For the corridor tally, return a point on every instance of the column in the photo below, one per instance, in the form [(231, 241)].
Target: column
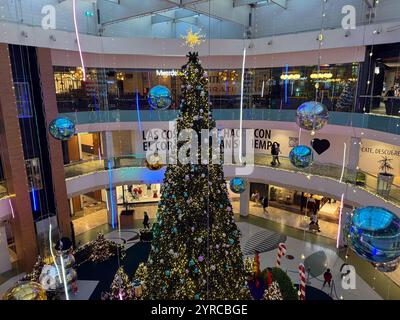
[(353, 158), (5, 264), (12, 155), (108, 148), (245, 203), (112, 207), (55, 146)]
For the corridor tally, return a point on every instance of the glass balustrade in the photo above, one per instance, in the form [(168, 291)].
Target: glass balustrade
[(363, 180)]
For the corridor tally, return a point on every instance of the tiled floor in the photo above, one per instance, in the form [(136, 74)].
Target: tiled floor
[(297, 221), (300, 250)]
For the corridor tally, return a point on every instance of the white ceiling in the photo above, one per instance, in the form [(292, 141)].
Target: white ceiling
[(225, 19)]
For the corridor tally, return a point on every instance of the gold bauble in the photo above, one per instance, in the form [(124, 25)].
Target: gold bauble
[(26, 291), (154, 163)]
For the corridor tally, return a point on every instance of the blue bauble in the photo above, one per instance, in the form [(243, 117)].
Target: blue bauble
[(238, 185), (159, 97), (191, 263), (167, 273), (312, 115), (62, 128), (301, 156), (375, 234)]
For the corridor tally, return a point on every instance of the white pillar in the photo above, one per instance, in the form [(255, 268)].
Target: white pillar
[(108, 146), (112, 207), (354, 153), (5, 264), (245, 203)]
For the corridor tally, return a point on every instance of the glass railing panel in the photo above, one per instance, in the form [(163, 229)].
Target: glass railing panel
[(358, 178)]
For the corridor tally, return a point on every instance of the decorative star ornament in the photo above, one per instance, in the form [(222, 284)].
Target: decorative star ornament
[(193, 39)]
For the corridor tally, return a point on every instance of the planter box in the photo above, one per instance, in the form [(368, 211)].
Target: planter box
[(126, 219), (384, 184), (146, 235)]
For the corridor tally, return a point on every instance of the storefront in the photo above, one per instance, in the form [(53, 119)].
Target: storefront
[(109, 89)]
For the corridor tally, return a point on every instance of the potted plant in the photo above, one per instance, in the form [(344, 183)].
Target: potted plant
[(385, 179)]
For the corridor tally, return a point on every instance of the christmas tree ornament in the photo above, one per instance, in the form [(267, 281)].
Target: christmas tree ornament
[(320, 146), (301, 156), (375, 234), (238, 185), (62, 128), (387, 266), (26, 290), (154, 162), (159, 97), (312, 115)]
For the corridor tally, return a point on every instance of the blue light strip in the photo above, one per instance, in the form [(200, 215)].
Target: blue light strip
[(138, 111), (35, 208), (286, 83), (111, 194)]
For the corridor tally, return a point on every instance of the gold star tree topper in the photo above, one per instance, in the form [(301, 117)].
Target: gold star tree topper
[(193, 39)]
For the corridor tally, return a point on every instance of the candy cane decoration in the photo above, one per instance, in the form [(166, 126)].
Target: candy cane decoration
[(302, 287), (281, 253)]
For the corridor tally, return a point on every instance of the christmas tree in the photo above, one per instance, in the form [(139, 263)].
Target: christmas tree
[(102, 249), (141, 274), (345, 101), (121, 287), (195, 253)]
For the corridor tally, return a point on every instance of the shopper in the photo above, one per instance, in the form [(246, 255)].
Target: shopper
[(327, 277), (273, 154), (314, 221), (278, 151), (264, 203), (146, 222)]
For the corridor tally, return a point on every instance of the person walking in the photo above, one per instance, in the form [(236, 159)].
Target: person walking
[(264, 203), (273, 154), (327, 277), (314, 221), (146, 222), (278, 151)]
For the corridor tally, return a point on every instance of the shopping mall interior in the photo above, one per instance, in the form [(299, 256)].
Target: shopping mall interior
[(200, 150)]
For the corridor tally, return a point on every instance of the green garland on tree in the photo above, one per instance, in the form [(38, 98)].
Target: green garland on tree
[(195, 253)]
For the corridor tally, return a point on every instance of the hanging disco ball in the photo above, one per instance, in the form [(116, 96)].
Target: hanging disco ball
[(312, 115), (238, 185), (62, 128), (387, 266), (154, 162), (159, 97), (375, 234), (301, 156)]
